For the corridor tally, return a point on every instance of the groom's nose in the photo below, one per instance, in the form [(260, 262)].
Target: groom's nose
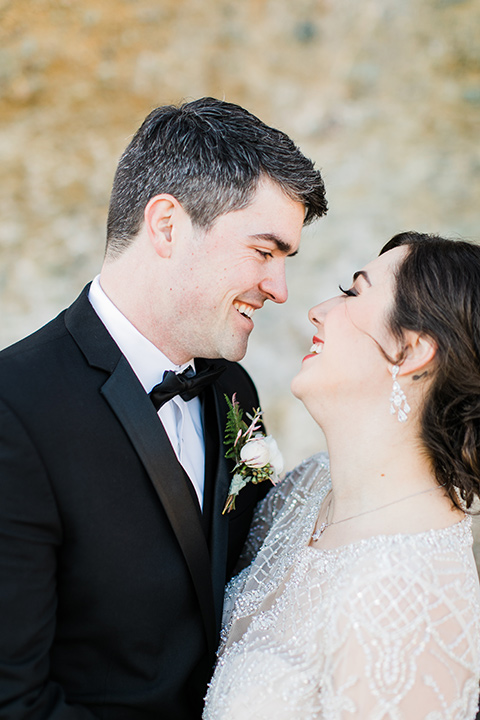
[(274, 284)]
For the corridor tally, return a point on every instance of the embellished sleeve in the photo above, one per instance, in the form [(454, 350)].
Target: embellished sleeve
[(404, 641), (268, 509)]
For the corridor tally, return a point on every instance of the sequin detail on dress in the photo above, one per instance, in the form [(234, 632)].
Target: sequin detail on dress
[(361, 631)]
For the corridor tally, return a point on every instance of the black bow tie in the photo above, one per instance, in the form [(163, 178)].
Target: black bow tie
[(186, 384)]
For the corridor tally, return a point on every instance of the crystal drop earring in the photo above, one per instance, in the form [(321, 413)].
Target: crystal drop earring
[(397, 398)]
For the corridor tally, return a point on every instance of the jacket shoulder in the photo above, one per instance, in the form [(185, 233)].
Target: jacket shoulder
[(44, 335), (48, 353), (235, 379)]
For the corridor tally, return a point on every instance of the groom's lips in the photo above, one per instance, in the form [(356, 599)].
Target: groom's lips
[(245, 309)]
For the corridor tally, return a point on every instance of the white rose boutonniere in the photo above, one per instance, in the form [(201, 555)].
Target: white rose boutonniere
[(257, 457), (260, 451)]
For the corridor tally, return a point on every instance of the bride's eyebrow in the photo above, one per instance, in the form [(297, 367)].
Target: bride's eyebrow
[(363, 274)]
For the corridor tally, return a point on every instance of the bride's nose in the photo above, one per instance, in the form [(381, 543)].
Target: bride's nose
[(316, 314)]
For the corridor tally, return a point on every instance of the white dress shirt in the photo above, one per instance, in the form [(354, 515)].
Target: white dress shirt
[(182, 420)]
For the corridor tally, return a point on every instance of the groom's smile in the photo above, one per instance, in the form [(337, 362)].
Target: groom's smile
[(226, 273), (244, 309)]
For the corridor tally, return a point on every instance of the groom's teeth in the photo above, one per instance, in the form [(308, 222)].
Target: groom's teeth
[(246, 310), (316, 348)]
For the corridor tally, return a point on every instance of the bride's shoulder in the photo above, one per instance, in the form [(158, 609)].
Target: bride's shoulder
[(299, 484), (314, 469), (314, 463)]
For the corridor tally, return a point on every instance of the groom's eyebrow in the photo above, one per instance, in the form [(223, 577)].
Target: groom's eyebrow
[(363, 274), (282, 246)]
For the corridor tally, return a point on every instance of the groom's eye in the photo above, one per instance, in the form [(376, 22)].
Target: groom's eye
[(264, 253)]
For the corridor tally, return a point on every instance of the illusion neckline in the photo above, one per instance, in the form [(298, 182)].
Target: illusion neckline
[(462, 528)]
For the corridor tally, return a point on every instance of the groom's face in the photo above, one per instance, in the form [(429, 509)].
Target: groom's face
[(226, 274)]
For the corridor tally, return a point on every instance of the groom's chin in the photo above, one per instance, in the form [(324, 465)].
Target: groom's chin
[(235, 347), (235, 352)]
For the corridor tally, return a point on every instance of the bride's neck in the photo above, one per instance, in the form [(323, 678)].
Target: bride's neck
[(375, 466)]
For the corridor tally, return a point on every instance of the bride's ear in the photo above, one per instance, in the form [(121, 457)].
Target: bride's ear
[(419, 351)]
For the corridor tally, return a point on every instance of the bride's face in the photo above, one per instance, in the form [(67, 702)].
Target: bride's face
[(346, 365)]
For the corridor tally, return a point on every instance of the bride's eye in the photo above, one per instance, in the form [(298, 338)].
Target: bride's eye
[(350, 293)]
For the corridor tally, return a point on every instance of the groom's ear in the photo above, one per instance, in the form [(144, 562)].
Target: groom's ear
[(419, 352), (161, 215)]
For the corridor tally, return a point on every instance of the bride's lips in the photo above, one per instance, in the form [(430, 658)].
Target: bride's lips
[(316, 349)]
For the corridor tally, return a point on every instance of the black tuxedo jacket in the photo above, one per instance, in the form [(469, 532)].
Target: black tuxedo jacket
[(111, 579)]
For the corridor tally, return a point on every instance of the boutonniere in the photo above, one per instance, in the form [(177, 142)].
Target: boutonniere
[(257, 457)]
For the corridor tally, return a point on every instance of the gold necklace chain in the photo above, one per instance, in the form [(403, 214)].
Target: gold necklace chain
[(325, 524)]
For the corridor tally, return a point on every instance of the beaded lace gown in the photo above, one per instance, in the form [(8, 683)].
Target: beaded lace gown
[(386, 627)]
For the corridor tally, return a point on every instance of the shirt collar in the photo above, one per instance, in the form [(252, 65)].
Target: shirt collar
[(146, 360)]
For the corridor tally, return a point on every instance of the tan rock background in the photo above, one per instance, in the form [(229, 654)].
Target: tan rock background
[(384, 95)]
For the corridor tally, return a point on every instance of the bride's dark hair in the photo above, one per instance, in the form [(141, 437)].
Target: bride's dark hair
[(437, 293)]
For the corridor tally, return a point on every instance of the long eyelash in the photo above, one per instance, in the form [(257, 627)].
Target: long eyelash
[(350, 293)]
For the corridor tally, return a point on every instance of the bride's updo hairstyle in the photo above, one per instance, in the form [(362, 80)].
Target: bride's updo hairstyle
[(437, 293)]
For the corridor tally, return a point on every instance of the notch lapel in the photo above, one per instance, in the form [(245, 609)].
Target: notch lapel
[(229, 531), (133, 408), (219, 523), (136, 413)]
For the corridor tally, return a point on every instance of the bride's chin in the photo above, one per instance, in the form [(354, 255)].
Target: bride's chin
[(296, 386)]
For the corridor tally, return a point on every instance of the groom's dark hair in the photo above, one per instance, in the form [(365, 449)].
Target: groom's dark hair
[(210, 155)]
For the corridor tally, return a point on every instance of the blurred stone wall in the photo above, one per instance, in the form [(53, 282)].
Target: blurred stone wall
[(384, 95)]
